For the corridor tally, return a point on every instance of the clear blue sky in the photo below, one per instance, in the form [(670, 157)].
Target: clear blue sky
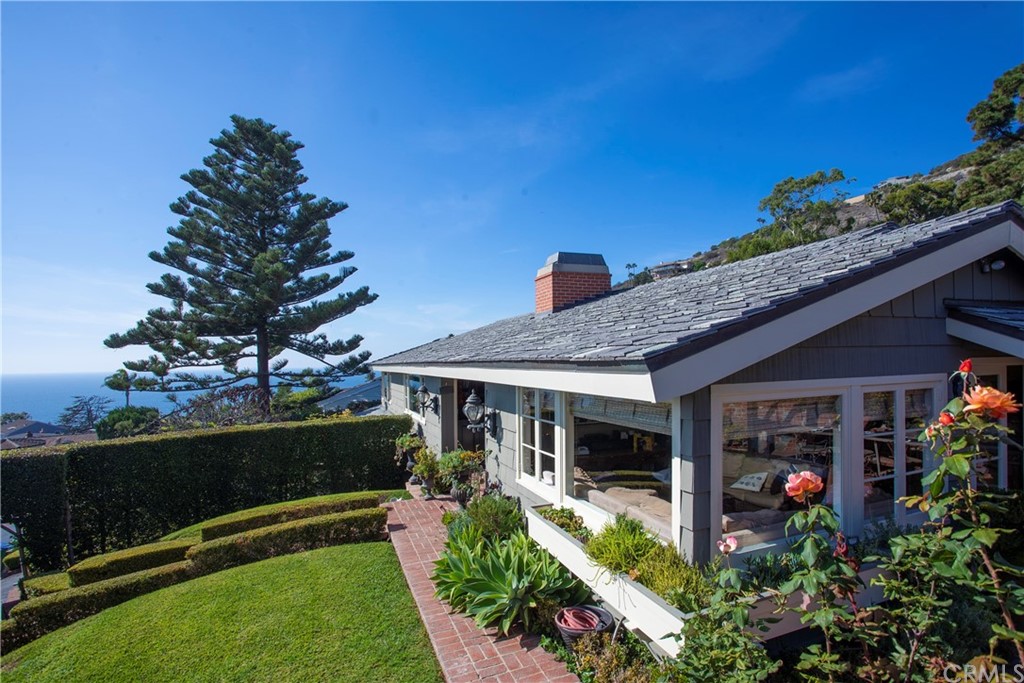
[(470, 140)]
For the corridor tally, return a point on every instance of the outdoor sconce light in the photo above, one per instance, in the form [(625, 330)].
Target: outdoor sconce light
[(479, 417), (425, 399), (989, 265)]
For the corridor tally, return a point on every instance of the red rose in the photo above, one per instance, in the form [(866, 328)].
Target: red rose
[(946, 418), (965, 365)]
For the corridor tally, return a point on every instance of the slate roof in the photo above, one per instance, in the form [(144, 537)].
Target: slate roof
[(368, 391), (646, 325), (999, 316)]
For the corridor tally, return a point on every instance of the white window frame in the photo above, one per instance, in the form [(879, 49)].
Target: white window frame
[(410, 396), (533, 484), (848, 472), (997, 367)]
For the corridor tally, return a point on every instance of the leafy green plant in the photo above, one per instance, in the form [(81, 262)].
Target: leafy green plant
[(514, 579), (496, 516), (569, 522), (455, 467), (668, 574), (769, 571), (621, 545), (597, 657), (426, 466)]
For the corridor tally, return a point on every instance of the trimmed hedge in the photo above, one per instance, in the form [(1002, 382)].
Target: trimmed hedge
[(44, 584), (290, 537), (12, 561), (127, 491), (121, 562), (278, 514), (34, 498), (13, 636), (39, 616)]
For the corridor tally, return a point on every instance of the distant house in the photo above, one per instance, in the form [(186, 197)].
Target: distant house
[(360, 396), (31, 433), (29, 427), (686, 402)]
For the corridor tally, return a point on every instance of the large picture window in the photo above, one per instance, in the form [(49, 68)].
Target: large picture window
[(537, 423), (765, 441), (894, 459)]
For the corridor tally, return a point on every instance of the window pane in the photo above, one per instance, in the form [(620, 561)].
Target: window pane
[(547, 468), (763, 443), (547, 406), (547, 437), (879, 446), (527, 431), (529, 402), (918, 410), (529, 463)]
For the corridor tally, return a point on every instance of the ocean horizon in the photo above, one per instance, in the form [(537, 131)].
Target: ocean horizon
[(45, 396)]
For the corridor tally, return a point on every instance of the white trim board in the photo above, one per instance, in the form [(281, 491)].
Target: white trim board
[(983, 337)]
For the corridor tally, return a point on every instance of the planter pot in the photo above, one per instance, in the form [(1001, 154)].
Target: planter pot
[(428, 488), (461, 495), (603, 621)]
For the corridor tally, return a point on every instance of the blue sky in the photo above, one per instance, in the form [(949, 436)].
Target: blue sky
[(470, 140)]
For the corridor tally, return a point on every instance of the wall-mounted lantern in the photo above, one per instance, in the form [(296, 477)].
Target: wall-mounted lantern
[(426, 400), (478, 415)]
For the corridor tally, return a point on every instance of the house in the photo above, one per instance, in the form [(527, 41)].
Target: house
[(686, 402), (29, 428), (357, 397)]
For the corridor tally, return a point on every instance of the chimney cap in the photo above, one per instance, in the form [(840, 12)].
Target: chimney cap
[(575, 258)]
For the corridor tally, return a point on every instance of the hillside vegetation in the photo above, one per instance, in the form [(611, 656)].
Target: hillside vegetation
[(815, 207)]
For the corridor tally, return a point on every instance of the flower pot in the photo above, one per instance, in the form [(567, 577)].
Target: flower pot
[(461, 495), (428, 488), (574, 622)]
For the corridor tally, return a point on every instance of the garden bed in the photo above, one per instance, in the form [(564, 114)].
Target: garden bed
[(643, 610)]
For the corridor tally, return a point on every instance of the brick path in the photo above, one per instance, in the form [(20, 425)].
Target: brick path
[(466, 653)]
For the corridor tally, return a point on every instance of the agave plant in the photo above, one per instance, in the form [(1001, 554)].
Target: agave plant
[(513, 579)]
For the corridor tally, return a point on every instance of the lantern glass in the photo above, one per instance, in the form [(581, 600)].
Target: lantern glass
[(473, 409)]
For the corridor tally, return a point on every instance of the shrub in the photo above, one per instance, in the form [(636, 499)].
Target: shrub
[(39, 616), (13, 636), (504, 583), (569, 522), (12, 561), (276, 514), (668, 574), (495, 515), (597, 657), (622, 545), (290, 537), (33, 498), (128, 561), (456, 466), (44, 584), (128, 491), (128, 421), (769, 571)]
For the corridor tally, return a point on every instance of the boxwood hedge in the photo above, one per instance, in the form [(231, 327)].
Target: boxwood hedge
[(277, 514), (300, 535), (38, 616), (115, 494), (121, 562)]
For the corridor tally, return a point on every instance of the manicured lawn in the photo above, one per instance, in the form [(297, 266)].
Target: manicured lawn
[(335, 614), (193, 531)]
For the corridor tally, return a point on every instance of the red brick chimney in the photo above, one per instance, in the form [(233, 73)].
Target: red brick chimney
[(567, 278)]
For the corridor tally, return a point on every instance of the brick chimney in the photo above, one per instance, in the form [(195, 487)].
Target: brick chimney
[(567, 278)]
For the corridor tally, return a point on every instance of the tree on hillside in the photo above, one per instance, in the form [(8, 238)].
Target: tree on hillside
[(916, 201), (999, 118), (83, 413), (246, 246), (11, 417)]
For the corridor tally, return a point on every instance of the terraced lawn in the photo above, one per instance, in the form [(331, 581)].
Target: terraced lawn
[(335, 614)]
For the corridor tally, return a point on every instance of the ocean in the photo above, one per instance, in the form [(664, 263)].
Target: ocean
[(45, 397)]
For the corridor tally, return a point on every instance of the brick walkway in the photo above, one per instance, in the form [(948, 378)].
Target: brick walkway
[(466, 653)]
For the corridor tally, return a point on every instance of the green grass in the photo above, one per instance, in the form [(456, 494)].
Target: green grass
[(193, 531), (335, 614)]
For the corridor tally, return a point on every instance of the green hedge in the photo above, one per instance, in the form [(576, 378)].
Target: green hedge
[(44, 584), (13, 636), (127, 491), (121, 562), (34, 497), (290, 537), (39, 616), (12, 561), (278, 514)]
